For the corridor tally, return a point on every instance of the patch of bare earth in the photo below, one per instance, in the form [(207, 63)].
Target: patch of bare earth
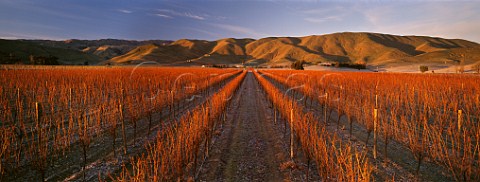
[(250, 147)]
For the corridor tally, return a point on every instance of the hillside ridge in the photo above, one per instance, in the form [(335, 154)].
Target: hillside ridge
[(372, 49)]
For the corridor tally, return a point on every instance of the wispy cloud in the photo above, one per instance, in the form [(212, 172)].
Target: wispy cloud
[(163, 15), (168, 13), (124, 11), (189, 15)]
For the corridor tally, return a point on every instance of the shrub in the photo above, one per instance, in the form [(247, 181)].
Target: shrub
[(297, 65), (423, 68), (43, 60), (348, 65)]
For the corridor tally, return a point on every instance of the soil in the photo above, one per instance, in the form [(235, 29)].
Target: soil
[(251, 147)]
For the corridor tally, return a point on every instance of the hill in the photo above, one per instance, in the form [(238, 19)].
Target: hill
[(372, 49), (20, 51), (103, 48), (177, 51)]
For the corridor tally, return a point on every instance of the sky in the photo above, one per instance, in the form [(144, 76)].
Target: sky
[(217, 19)]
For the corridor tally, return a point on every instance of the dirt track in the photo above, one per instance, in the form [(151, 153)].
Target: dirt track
[(250, 147)]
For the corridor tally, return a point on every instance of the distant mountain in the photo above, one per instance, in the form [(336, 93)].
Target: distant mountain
[(71, 51), (366, 48), (372, 49), (103, 48), (20, 51), (225, 51)]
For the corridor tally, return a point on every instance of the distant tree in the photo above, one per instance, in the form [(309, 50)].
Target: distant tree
[(85, 63), (43, 60), (348, 65), (52, 60), (423, 69), (10, 59), (297, 65)]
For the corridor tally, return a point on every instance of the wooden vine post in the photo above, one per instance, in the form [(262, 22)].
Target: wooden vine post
[(274, 110), (172, 92), (459, 113), (291, 133), (207, 134), (375, 123), (40, 163), (37, 121), (124, 138), (325, 109), (150, 107)]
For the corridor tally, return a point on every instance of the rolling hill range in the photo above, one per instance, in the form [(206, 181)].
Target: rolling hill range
[(103, 48), (372, 49), (20, 51), (362, 48)]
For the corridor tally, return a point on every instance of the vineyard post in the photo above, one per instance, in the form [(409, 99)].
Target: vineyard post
[(123, 130), (375, 123), (274, 115), (70, 98), (150, 112), (18, 105), (325, 109), (85, 142), (70, 112), (150, 107), (19, 126), (274, 110), (207, 132), (113, 130), (224, 111), (172, 106), (41, 163), (18, 95), (37, 121), (459, 113), (291, 133), (208, 84)]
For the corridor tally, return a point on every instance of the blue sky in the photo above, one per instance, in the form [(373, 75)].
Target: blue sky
[(216, 19)]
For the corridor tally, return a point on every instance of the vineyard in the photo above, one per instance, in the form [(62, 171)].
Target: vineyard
[(205, 124)]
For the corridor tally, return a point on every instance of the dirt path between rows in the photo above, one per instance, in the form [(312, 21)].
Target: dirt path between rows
[(250, 147)]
